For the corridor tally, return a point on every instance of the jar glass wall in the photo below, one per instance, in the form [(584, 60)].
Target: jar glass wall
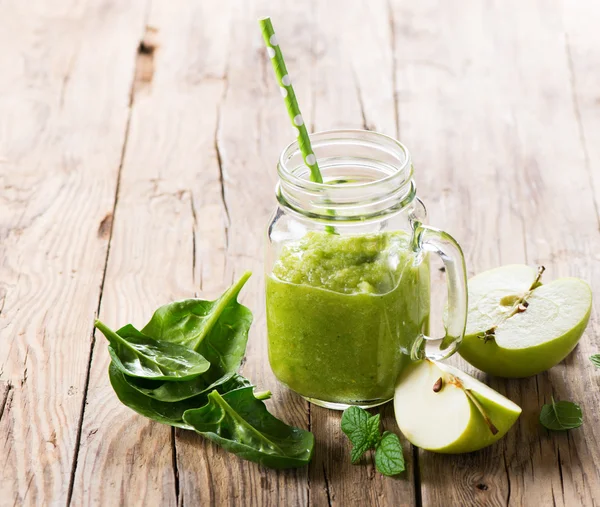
[(347, 277)]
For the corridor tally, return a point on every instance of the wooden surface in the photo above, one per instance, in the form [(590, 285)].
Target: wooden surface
[(138, 143)]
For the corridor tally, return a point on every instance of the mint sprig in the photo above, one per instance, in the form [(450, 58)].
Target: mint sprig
[(595, 359), (362, 429)]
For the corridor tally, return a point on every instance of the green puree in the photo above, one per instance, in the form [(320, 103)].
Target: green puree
[(343, 313)]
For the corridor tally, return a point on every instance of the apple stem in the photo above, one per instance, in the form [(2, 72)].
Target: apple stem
[(521, 304), (538, 278), (488, 335), (487, 420), (437, 387)]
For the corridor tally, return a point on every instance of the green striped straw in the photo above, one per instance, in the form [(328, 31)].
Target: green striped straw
[(289, 97)]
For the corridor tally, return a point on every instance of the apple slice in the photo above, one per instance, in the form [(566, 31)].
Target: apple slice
[(518, 327), (453, 415)]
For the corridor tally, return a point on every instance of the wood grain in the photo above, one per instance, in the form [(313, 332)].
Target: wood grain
[(245, 147), (456, 132), (138, 143), (353, 47), (491, 120), (566, 233), (151, 262), (582, 53), (64, 89)]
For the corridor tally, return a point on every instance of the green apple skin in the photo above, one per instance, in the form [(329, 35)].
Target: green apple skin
[(499, 361), (476, 434), (507, 363)]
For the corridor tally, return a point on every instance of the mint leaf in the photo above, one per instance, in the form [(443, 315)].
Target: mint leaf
[(561, 415), (389, 458), (354, 424), (358, 450), (596, 360), (362, 429), (373, 429)]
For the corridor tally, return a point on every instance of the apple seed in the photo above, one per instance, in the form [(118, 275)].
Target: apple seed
[(521, 304), (437, 387)]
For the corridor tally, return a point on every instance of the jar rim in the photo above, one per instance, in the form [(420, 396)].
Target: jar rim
[(293, 149)]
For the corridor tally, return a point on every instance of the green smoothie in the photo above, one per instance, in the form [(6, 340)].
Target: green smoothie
[(343, 313)]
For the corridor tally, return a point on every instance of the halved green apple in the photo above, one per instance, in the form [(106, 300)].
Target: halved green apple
[(518, 327), (442, 409)]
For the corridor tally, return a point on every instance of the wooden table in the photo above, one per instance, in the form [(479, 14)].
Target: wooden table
[(138, 143)]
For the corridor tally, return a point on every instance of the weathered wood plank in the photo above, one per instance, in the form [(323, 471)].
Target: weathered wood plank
[(551, 200), (64, 89), (563, 233), (180, 149), (169, 188), (496, 105), (460, 159), (352, 87), (313, 54), (250, 128), (583, 52)]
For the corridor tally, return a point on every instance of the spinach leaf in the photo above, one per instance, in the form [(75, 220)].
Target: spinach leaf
[(389, 459), (178, 391), (216, 329), (162, 411), (595, 359), (139, 355), (180, 370), (561, 415), (166, 413), (241, 424)]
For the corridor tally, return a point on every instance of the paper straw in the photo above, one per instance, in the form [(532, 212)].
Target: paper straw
[(289, 97)]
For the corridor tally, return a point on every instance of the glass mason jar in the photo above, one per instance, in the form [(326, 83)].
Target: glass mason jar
[(347, 272)]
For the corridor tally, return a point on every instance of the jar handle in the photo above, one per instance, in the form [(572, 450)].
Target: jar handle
[(433, 240)]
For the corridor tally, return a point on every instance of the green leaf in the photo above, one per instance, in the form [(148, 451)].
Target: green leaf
[(362, 429), (139, 355), (596, 360), (389, 458), (223, 342), (160, 411), (216, 329), (166, 413), (373, 432), (561, 415), (151, 373), (358, 450), (354, 424), (178, 391), (241, 424)]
